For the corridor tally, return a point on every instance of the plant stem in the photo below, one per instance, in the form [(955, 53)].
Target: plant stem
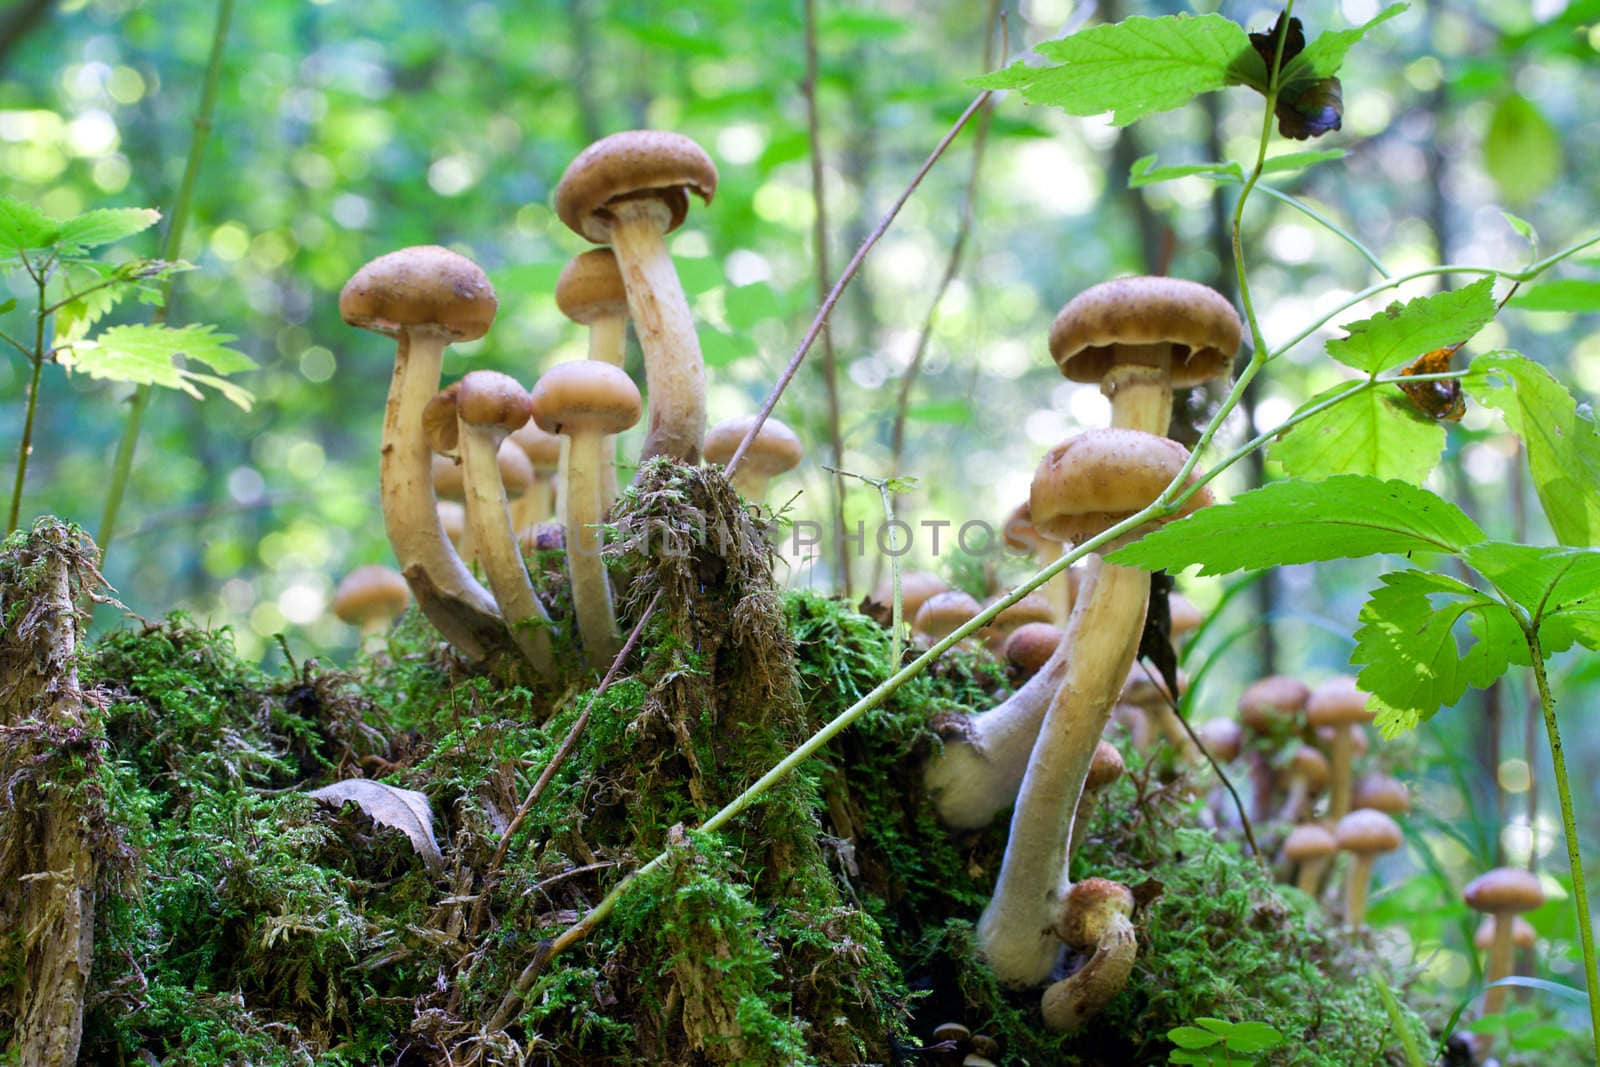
[(177, 222), (1326, 223), (25, 449), (1569, 823)]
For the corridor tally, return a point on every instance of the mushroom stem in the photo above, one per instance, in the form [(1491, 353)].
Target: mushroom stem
[(591, 588), (1099, 918), (1057, 590), (448, 594), (674, 371), (489, 519), (608, 340), (1494, 999), (1355, 911), (750, 484), (1310, 876), (1343, 755), (1139, 386), (1014, 930)]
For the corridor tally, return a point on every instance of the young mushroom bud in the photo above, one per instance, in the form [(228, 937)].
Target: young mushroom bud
[(1365, 834), (1097, 919), (1140, 338), (490, 406), (425, 298), (776, 450), (629, 190), (1106, 768), (371, 597), (943, 613), (1502, 894), (1030, 647), (590, 292), (1339, 704), (585, 400), (544, 456)]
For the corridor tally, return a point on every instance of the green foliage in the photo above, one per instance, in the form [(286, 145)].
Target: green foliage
[(1521, 150), (1573, 295), (1213, 1042), (1377, 432), (1402, 332)]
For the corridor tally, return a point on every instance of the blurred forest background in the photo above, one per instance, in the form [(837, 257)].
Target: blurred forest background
[(344, 130)]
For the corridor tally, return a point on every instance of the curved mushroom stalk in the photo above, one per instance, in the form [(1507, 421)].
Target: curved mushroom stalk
[(1098, 920)]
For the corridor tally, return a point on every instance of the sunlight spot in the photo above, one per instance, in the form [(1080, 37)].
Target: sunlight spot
[(1514, 775)]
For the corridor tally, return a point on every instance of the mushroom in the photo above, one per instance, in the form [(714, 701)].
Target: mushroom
[(1501, 894), (915, 587), (1311, 847), (1106, 768), (1223, 738), (371, 597), (1339, 704), (775, 450), (1081, 487), (1030, 647), (1020, 534), (453, 521), (590, 292), (489, 406), (942, 612), (1269, 710), (1381, 792), (544, 456), (1365, 834), (1307, 775), (1140, 338), (1032, 609), (1147, 691), (629, 190), (450, 484), (1186, 618), (1097, 919), (585, 400), (425, 297)]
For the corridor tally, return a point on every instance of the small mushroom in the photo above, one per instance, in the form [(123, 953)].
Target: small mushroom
[(629, 190), (585, 400), (1311, 847), (776, 450), (544, 456), (371, 597), (1030, 647), (425, 298), (1501, 894), (915, 587), (1031, 609), (1365, 834), (1307, 775), (1097, 919), (1107, 767), (1020, 534), (1340, 704), (590, 292), (1381, 792), (1270, 711), (1223, 739), (942, 613)]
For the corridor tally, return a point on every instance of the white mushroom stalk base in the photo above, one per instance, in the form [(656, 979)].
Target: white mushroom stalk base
[(673, 368), (591, 588), (1014, 932), (448, 594), (489, 519)]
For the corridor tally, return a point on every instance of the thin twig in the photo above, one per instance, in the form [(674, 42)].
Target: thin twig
[(568, 743), (980, 137), (819, 244), (850, 270)]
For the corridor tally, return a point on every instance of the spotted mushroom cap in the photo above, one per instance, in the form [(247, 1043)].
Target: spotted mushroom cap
[(422, 288), (629, 165), (1197, 321), (1100, 477)]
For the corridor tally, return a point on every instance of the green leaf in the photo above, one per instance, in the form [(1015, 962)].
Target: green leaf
[(720, 349), (1144, 172), (1411, 663), (1373, 432), (105, 226), (1561, 442), (1521, 150), (147, 355), (1253, 1037), (75, 318), (1566, 294), (23, 226), (1192, 1037), (952, 412), (1558, 587), (1299, 521), (1324, 56), (747, 305), (1402, 332), (1130, 68), (1300, 160), (1523, 227)]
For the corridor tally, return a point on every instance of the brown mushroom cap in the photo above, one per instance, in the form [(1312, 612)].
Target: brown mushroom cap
[(1523, 935), (1309, 841), (370, 592), (1337, 702), (1186, 618), (1086, 905), (425, 287), (943, 612), (542, 449), (585, 396), (439, 423), (632, 164), (489, 398), (1223, 738), (516, 470), (1106, 767), (1197, 321), (1098, 478), (776, 448), (1019, 531), (1365, 831), (1312, 765), (1381, 792), (1324, 736), (1272, 703), (590, 287), (1031, 645), (1504, 891), (449, 482), (452, 516), (1032, 608), (915, 588)]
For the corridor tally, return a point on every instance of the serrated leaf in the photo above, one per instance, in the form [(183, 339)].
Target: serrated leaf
[(1371, 433), (1299, 521), (23, 226), (146, 355), (1561, 442), (106, 226), (1404, 331), (1410, 661), (1324, 56), (405, 810), (1131, 68), (1300, 160), (1559, 587), (1521, 149), (1144, 172), (1566, 294)]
